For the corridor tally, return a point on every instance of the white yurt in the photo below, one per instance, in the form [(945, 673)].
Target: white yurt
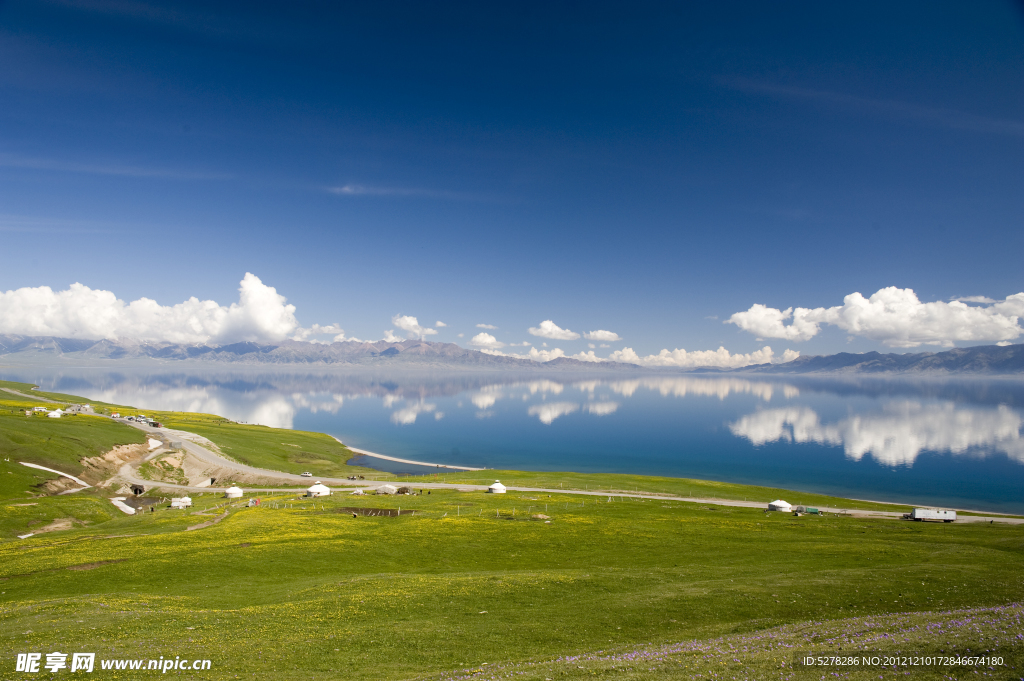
[(496, 488), (318, 490), (387, 489), (55, 414), (233, 492), (779, 505)]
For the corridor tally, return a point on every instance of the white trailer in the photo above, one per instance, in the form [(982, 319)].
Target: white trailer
[(932, 514)]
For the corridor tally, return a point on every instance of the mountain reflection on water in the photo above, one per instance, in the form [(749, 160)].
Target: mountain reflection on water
[(928, 441)]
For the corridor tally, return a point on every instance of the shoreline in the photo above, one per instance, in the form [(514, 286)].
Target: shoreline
[(425, 464)]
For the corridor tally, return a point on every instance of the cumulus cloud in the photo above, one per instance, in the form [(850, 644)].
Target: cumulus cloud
[(975, 299), (701, 358), (390, 337), (260, 315), (440, 324), (490, 327), (412, 327), (486, 340), (549, 411), (548, 329), (544, 355), (893, 317), (601, 335), (334, 330)]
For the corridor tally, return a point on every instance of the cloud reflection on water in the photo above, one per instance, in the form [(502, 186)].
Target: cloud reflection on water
[(898, 434)]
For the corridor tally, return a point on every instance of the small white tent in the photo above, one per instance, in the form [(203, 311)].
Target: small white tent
[(496, 488), (233, 492), (387, 489), (55, 414), (318, 490), (779, 505), (181, 502)]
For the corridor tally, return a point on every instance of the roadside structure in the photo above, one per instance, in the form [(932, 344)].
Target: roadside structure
[(496, 488), (780, 505), (233, 492), (318, 490)]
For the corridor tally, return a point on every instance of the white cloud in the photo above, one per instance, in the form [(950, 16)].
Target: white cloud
[(486, 340), (440, 324), (767, 322), (790, 355), (591, 346), (260, 315), (490, 327), (548, 329), (390, 337), (461, 335), (893, 317), (541, 355), (600, 335), (601, 408), (549, 411), (700, 358), (318, 330), (897, 435), (975, 299), (412, 327)]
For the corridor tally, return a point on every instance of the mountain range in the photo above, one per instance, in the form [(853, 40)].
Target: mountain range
[(985, 360)]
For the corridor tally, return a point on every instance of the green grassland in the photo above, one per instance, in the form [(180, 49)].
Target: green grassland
[(648, 484), (299, 589), (471, 585)]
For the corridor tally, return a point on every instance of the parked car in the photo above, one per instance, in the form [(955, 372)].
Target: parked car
[(307, 474)]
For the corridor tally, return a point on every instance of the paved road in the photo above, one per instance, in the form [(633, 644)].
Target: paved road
[(32, 397)]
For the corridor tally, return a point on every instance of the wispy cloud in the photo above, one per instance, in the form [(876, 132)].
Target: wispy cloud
[(62, 166), (400, 192), (934, 116)]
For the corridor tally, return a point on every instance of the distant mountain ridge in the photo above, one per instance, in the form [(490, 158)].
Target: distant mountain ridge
[(980, 360), (356, 353)]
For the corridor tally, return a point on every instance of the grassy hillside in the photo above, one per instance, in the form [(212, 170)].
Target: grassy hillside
[(291, 451), (297, 589)]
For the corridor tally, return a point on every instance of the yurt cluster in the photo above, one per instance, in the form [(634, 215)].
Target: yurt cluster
[(318, 489)]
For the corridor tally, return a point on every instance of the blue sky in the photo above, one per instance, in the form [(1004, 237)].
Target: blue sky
[(649, 169)]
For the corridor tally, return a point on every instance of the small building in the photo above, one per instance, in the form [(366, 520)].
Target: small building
[(55, 414), (780, 505), (181, 502), (387, 489), (40, 409), (496, 488), (233, 492), (318, 490)]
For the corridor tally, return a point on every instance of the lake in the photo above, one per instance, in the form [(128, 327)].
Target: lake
[(936, 442)]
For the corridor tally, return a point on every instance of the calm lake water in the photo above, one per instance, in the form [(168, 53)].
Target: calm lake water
[(953, 442)]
